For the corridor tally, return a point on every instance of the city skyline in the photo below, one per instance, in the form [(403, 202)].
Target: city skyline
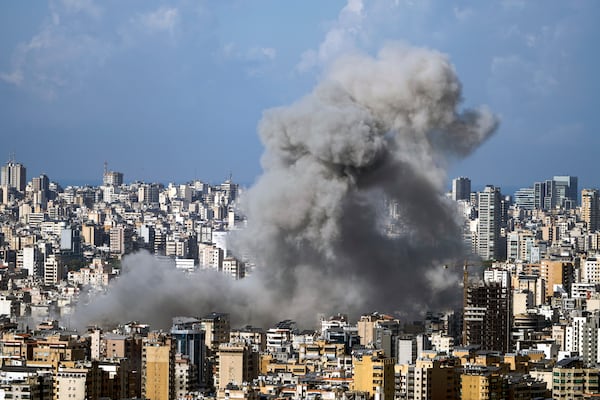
[(195, 79)]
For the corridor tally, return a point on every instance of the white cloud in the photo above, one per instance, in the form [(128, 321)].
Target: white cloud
[(57, 56), (340, 38), (164, 19), (15, 77)]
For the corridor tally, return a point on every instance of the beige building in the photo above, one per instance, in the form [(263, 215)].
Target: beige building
[(238, 364), (374, 374), (57, 348), (479, 383), (429, 378), (556, 272), (590, 209), (158, 367), (367, 324), (69, 383), (217, 328)]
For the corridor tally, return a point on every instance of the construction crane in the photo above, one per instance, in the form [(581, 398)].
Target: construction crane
[(465, 265)]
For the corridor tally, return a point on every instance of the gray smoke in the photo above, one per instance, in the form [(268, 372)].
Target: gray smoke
[(375, 133)]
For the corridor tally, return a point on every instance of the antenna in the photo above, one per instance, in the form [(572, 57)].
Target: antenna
[(105, 167)]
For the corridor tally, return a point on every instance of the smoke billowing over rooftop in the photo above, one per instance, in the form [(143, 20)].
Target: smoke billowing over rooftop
[(375, 133)]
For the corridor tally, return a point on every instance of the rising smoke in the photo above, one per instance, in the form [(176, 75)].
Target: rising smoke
[(375, 133)]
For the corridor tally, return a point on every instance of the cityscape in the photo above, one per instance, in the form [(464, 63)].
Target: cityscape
[(315, 200), (527, 327)]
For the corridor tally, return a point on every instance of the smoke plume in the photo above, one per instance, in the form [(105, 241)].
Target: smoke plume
[(375, 134)]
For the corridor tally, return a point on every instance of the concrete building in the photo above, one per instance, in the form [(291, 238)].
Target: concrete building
[(112, 178), (590, 209), (582, 336), (428, 378), (234, 268), (13, 175), (566, 191), (121, 240), (488, 316), (53, 269), (525, 198), (461, 188), (158, 367), (69, 383), (489, 246), (571, 380), (374, 374), (556, 273), (190, 342), (481, 382), (238, 364)]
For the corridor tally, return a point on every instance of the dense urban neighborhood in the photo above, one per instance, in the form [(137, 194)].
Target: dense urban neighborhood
[(528, 328)]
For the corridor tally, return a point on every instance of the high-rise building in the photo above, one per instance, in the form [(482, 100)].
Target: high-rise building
[(461, 188), (70, 241), (590, 208), (557, 273), (40, 183), (488, 316), (158, 367), (539, 194), (14, 175), (121, 240), (53, 270), (566, 190), (216, 327), (488, 228), (149, 193), (189, 341), (112, 178), (525, 198), (550, 195), (581, 337)]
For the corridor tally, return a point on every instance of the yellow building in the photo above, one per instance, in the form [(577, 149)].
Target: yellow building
[(374, 374), (158, 367), (482, 383), (56, 348)]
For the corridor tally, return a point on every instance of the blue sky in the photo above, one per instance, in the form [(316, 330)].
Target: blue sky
[(171, 91)]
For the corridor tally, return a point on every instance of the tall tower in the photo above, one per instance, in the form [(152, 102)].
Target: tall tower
[(590, 208), (566, 190), (488, 228), (461, 188), (539, 194), (189, 341), (158, 367), (488, 316), (14, 175)]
